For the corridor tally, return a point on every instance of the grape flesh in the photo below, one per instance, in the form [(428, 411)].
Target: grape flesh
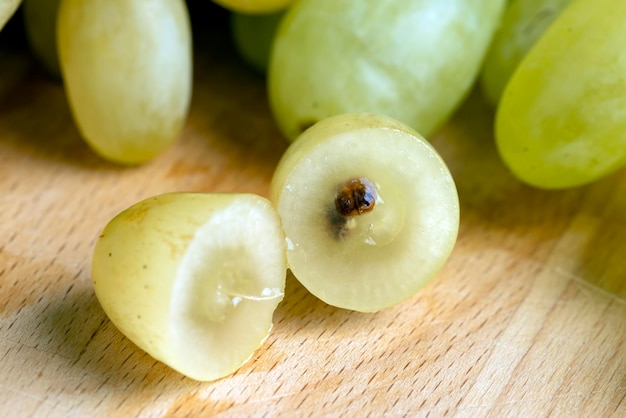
[(369, 209), (412, 60), (127, 68), (522, 25), (561, 121)]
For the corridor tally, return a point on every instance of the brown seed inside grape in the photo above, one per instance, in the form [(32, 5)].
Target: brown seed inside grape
[(355, 197)]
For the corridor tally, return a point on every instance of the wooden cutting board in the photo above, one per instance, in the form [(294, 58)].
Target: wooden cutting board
[(526, 319)]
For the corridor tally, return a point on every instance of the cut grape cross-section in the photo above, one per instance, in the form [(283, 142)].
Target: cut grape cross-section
[(369, 209)]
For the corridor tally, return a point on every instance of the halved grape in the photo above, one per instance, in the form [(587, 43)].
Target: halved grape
[(193, 278), (561, 121), (370, 210)]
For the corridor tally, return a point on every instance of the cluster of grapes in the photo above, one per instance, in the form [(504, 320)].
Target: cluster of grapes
[(361, 209), (554, 70)]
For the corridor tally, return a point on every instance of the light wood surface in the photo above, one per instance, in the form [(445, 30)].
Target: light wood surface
[(526, 319)]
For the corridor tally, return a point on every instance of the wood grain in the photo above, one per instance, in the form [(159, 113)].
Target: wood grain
[(526, 319)]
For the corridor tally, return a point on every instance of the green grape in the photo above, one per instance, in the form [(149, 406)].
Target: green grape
[(254, 6), (523, 23), (561, 121), (7, 8), (127, 68), (40, 22), (412, 60), (253, 36)]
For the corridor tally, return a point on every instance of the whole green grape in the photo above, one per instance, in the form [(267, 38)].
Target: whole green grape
[(127, 68), (523, 23), (40, 22), (561, 121), (253, 35), (413, 60)]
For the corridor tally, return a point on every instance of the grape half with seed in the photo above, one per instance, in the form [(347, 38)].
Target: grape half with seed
[(369, 209)]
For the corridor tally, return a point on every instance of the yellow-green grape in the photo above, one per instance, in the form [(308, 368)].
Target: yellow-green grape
[(253, 36), (254, 6), (370, 210), (561, 121), (193, 279), (414, 60), (127, 70), (523, 23), (7, 8), (40, 21)]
